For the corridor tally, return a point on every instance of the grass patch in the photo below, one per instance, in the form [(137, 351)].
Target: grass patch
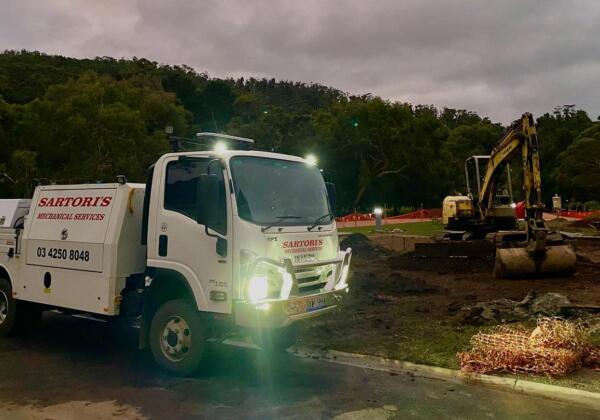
[(416, 228), (562, 225), (435, 344), (423, 341)]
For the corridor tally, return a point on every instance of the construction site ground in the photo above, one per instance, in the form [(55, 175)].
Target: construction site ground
[(404, 307)]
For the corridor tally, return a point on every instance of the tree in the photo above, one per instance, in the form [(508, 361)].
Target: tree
[(465, 141), (361, 137), (556, 132), (23, 169), (579, 166), (94, 128)]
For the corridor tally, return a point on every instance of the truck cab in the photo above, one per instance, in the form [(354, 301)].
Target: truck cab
[(217, 243)]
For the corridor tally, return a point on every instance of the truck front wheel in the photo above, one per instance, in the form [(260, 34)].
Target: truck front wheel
[(177, 338)]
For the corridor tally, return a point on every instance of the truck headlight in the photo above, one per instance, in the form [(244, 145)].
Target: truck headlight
[(268, 281), (258, 288)]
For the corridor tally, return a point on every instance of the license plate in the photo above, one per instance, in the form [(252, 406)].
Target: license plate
[(315, 303), (308, 304)]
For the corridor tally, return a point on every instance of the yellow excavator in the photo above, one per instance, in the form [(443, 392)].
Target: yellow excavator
[(534, 251)]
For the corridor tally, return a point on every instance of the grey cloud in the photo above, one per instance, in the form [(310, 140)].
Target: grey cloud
[(497, 57)]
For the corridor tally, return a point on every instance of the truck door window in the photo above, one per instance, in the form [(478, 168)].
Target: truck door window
[(181, 187)]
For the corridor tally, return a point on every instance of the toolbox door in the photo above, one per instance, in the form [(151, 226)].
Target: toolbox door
[(68, 228)]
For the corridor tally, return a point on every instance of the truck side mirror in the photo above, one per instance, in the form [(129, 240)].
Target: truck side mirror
[(207, 211), (331, 194)]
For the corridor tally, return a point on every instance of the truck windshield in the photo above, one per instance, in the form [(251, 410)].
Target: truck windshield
[(279, 192)]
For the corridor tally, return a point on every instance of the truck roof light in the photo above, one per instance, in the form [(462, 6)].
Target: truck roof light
[(220, 147), (311, 159)]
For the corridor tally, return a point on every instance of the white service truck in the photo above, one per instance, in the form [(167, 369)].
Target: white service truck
[(214, 244)]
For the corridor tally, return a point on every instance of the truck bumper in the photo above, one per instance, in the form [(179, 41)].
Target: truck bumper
[(282, 313)]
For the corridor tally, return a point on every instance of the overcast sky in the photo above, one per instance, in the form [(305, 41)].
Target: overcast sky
[(497, 57)]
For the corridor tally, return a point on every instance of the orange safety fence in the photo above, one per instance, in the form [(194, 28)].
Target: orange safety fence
[(417, 214), (555, 348)]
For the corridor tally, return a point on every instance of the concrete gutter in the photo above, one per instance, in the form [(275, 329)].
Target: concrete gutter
[(553, 392)]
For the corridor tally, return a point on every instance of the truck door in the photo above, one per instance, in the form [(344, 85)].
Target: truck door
[(202, 256)]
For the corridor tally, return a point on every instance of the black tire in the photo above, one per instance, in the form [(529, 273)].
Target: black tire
[(186, 338), (16, 317), (8, 309), (277, 339)]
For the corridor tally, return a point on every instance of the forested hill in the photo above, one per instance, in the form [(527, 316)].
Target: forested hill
[(74, 120)]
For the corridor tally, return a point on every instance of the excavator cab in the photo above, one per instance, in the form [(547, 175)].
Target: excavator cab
[(461, 212), (500, 215)]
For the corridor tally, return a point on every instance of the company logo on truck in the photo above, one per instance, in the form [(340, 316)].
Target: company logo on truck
[(307, 245), (99, 202)]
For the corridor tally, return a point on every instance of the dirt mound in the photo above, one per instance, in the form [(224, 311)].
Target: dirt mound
[(510, 310), (362, 246), (414, 262)]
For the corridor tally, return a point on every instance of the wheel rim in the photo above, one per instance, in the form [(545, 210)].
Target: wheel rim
[(176, 339), (3, 307)]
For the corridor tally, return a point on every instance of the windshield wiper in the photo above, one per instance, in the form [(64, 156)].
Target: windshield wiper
[(277, 220), (319, 220)]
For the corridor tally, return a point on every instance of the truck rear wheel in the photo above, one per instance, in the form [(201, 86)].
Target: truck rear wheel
[(177, 338), (16, 317), (8, 308)]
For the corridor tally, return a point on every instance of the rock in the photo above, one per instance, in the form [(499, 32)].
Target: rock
[(549, 304), (454, 307), (469, 315), (509, 310), (501, 310), (528, 298)]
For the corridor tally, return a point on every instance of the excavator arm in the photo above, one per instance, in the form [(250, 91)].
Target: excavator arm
[(536, 256), (521, 139)]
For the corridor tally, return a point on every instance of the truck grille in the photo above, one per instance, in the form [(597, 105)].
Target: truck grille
[(312, 284)]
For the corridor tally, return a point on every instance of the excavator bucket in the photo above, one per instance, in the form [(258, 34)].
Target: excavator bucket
[(556, 260)]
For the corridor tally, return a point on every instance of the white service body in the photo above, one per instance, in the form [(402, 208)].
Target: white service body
[(79, 244)]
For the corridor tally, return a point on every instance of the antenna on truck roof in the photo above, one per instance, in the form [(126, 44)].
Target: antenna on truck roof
[(224, 141), (210, 140)]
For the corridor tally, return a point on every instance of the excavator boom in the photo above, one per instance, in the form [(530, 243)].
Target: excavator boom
[(538, 254)]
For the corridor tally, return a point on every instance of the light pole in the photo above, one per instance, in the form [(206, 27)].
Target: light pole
[(378, 212)]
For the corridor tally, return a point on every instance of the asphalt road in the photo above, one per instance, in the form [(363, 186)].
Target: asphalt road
[(78, 369)]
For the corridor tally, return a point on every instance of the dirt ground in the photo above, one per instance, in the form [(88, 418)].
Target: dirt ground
[(405, 307)]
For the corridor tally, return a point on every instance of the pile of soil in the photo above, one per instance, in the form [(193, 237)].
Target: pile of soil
[(414, 262), (363, 246), (510, 310)]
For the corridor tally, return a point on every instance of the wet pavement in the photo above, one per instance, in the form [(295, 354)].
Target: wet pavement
[(77, 369)]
